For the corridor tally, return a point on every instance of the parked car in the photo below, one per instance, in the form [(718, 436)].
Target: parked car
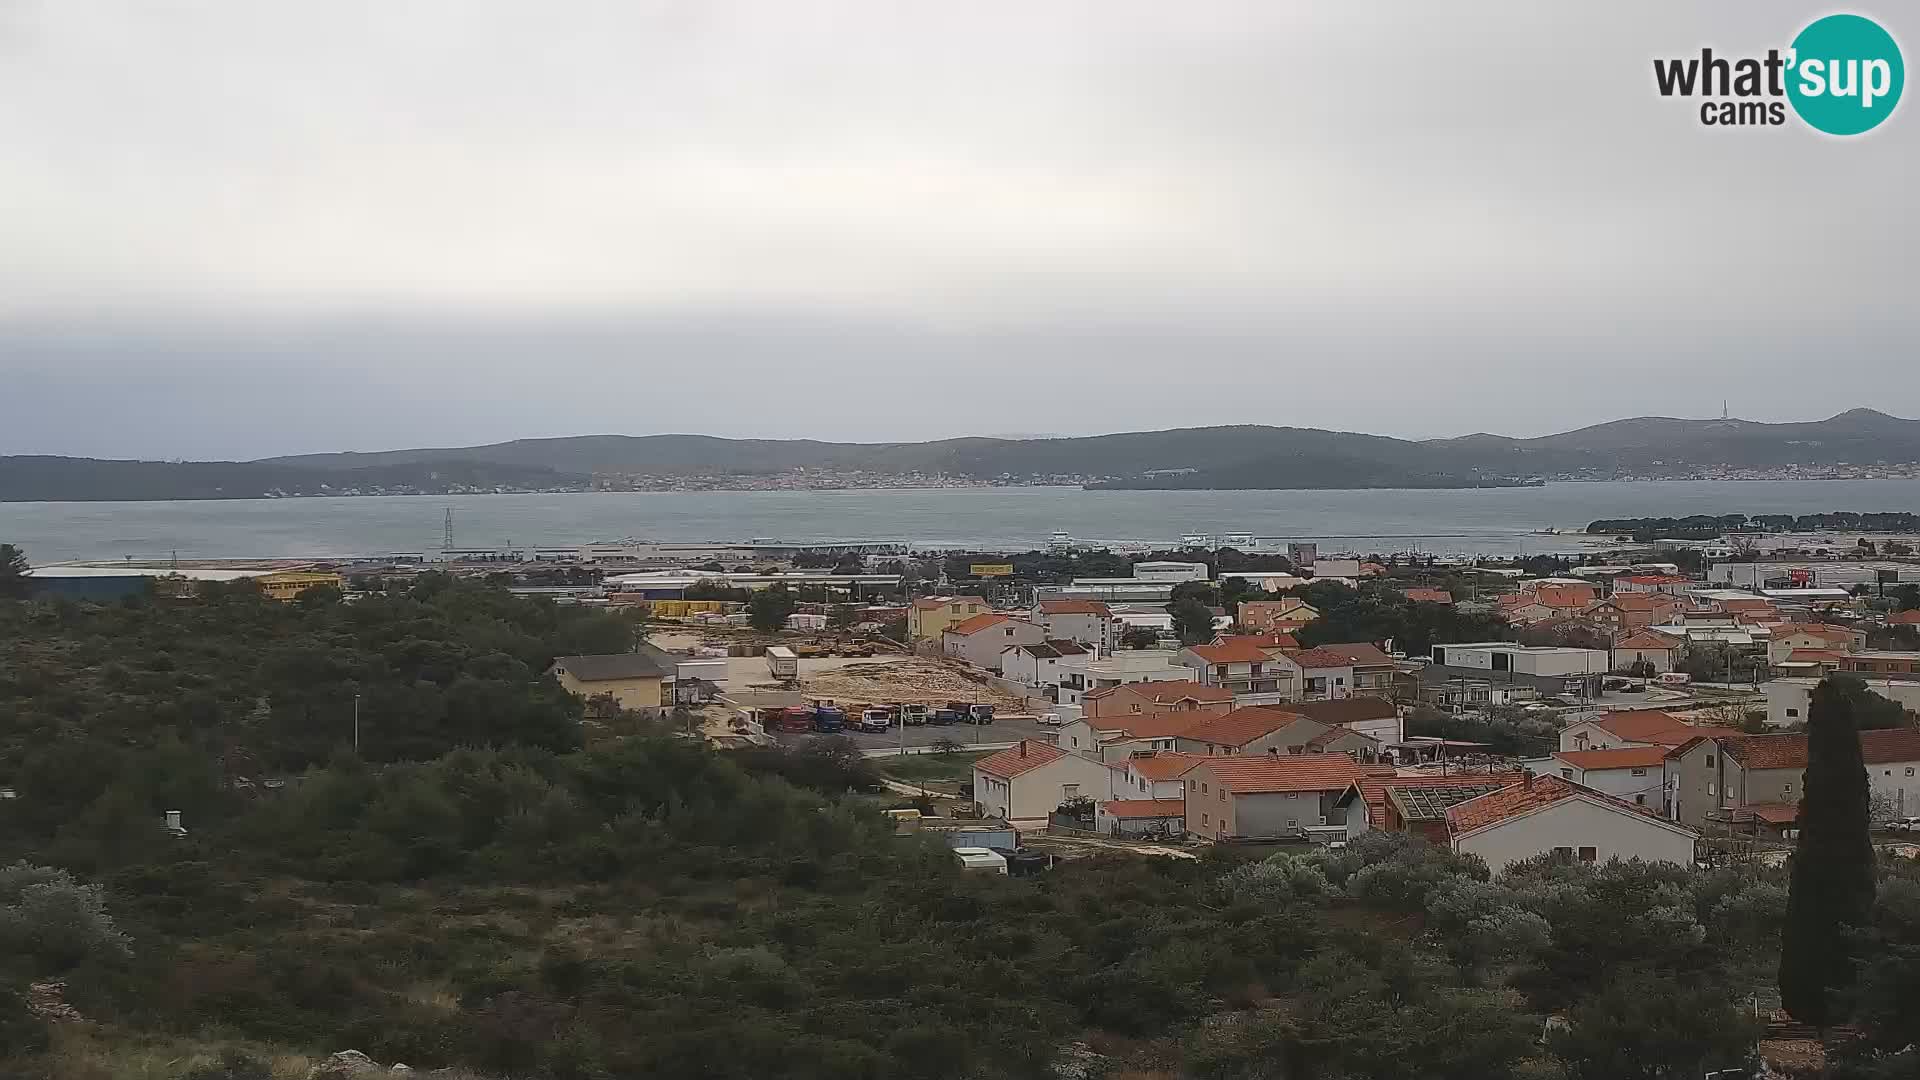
[(1049, 719), (1905, 824)]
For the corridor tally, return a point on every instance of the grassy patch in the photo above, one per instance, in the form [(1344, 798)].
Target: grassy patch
[(929, 768)]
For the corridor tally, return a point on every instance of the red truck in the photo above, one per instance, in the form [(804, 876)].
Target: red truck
[(798, 718)]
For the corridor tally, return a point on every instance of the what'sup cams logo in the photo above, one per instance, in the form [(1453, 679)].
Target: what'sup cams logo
[(1842, 75)]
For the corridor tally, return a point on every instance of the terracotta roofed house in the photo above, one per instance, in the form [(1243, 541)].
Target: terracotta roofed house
[(1729, 780), (1142, 817), (1256, 729), (1255, 672), (1647, 727), (1089, 622), (1418, 804), (1551, 814), (1026, 781), (1428, 596), (1271, 796), (1632, 774), (1649, 646), (980, 640), (929, 616)]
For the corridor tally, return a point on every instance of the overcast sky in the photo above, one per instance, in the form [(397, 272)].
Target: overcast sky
[(250, 227)]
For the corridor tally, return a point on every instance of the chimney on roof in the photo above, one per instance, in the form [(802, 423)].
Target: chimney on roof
[(1023, 748), (1526, 778)]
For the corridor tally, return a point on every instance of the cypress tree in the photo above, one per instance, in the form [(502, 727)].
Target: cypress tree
[(1832, 887)]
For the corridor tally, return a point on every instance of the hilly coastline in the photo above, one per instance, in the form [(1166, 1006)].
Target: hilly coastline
[(1248, 457)]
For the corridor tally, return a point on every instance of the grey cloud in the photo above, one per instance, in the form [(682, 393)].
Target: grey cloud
[(443, 222)]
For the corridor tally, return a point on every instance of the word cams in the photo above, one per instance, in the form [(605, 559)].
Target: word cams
[(1710, 76)]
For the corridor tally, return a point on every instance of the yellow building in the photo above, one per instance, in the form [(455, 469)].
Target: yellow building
[(931, 616), (287, 584), (636, 680)]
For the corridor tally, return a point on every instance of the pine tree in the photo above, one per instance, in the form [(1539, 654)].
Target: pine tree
[(1833, 883)]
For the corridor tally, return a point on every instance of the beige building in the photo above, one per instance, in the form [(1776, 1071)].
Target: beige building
[(980, 640), (1648, 646), (930, 616), (1272, 795), (635, 680), (1746, 783), (1025, 782)]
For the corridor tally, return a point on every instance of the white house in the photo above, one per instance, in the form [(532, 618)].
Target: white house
[(1648, 646), (1150, 775), (980, 640), (1084, 675), (1039, 665), (1551, 814), (1631, 774), (1025, 782), (1088, 622)]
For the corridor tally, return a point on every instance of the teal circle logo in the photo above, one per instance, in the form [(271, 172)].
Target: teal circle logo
[(1846, 74)]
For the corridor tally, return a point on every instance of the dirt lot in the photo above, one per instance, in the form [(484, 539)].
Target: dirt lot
[(900, 680)]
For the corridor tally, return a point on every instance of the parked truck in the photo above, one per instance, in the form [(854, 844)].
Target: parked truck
[(828, 719), (876, 720), (913, 715), (972, 713), (796, 719), (782, 663)]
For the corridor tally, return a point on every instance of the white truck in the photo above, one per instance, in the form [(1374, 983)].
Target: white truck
[(782, 663)]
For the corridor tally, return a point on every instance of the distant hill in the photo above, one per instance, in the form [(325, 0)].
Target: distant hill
[(1242, 456), (68, 479)]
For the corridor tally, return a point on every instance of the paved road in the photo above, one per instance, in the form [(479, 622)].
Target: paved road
[(995, 736)]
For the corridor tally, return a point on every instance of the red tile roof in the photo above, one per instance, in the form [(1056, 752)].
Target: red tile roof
[(1360, 653), (1527, 796), (1646, 640), (1167, 691), (1321, 658), (1163, 764), (1145, 808), (1878, 747), (1160, 725), (1655, 579), (1638, 601), (1257, 775), (1014, 760), (977, 623), (1814, 656), (1239, 727), (1626, 757), (1074, 607), (1335, 734), (1428, 596), (1657, 728), (1233, 650), (1773, 813), (1828, 631), (1904, 618), (1338, 711)]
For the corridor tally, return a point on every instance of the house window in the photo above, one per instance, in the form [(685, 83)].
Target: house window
[(1567, 773), (1909, 770), (1639, 772), (1710, 790), (1203, 789), (1069, 791), (1709, 761), (1203, 819), (1588, 854), (1136, 708), (1640, 799), (1563, 852), (1793, 712), (1223, 794), (1293, 823)]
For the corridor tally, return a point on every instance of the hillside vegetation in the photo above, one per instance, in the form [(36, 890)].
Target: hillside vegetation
[(477, 891)]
